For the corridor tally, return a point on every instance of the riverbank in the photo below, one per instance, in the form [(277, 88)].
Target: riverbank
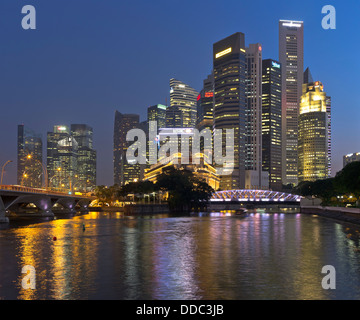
[(351, 215)]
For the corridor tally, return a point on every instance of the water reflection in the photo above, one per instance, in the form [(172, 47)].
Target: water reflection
[(207, 256)]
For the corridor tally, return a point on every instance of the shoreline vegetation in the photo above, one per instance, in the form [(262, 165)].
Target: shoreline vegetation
[(180, 189)]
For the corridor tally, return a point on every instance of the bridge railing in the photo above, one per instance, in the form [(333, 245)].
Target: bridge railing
[(254, 195), (35, 190)]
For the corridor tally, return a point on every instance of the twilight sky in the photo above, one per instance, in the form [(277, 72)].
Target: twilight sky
[(88, 58)]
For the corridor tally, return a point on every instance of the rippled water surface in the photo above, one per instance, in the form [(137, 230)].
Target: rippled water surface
[(261, 256)]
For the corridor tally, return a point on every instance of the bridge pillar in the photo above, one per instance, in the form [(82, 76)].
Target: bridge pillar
[(3, 218), (84, 204), (68, 204)]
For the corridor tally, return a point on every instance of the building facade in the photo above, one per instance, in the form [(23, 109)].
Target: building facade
[(86, 158), (256, 178), (291, 57), (29, 158), (229, 65), (62, 157), (313, 133), (271, 122), (183, 98), (124, 172)]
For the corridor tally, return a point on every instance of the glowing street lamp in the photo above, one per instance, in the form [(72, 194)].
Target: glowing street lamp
[(29, 157), (2, 170)]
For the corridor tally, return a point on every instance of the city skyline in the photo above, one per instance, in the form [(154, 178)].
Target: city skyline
[(97, 108)]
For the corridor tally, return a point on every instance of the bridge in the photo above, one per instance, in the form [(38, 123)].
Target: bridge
[(24, 201), (234, 199)]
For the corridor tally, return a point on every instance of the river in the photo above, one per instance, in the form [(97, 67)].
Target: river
[(277, 255)]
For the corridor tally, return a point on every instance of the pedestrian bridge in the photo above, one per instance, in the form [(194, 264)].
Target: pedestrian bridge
[(26, 201), (254, 197)]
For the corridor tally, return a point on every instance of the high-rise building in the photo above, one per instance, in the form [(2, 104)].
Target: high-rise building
[(255, 177), (229, 65), (62, 158), (124, 171), (205, 112), (86, 158), (328, 111), (183, 98), (174, 117), (29, 158), (313, 133), (271, 122), (291, 57)]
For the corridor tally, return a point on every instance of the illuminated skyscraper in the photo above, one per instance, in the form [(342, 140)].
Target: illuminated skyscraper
[(86, 159), (124, 172), (271, 122), (205, 111), (291, 57), (183, 98), (229, 65), (62, 156), (29, 169), (255, 177), (313, 133)]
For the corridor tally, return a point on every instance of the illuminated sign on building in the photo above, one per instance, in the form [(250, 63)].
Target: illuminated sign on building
[(209, 94), (222, 53), (275, 65)]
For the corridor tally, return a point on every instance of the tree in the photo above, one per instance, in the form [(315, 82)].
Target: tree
[(348, 180), (185, 191)]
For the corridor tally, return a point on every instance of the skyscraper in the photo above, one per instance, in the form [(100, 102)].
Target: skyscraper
[(255, 177), (29, 158), (124, 172), (205, 112), (62, 158), (229, 66), (291, 57), (271, 122), (313, 133), (86, 158), (183, 98), (205, 104)]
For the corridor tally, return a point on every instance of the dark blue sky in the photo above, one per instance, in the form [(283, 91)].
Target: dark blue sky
[(88, 58)]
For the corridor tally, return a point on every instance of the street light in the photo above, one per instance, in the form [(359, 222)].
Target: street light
[(22, 180), (2, 170), (29, 156), (58, 170)]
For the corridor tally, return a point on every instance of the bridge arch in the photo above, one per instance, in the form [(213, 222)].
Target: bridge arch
[(249, 195)]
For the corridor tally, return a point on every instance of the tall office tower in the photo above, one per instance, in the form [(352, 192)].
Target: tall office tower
[(124, 172), (205, 104), (271, 122), (174, 118), (313, 133), (29, 158), (205, 112), (62, 156), (291, 57), (157, 113), (255, 177), (328, 110), (229, 103), (86, 160), (183, 98)]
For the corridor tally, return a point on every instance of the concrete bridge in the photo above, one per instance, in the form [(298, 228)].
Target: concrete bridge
[(235, 199), (24, 201)]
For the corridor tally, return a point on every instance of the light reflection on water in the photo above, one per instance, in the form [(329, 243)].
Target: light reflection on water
[(209, 256)]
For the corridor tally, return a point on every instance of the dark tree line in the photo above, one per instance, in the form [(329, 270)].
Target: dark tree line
[(345, 183), (185, 191)]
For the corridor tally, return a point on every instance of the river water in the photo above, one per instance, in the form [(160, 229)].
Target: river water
[(218, 256)]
